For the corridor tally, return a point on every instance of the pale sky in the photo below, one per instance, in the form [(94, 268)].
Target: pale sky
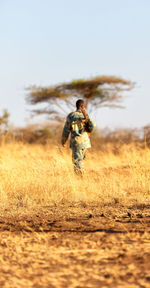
[(46, 42)]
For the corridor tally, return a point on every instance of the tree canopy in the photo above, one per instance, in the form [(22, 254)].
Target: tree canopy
[(101, 91)]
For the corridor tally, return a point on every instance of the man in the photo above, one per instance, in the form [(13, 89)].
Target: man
[(79, 124)]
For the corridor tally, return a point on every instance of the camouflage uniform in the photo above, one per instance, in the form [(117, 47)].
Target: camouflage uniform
[(75, 124)]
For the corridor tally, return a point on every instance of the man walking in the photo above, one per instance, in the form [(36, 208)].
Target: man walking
[(79, 124)]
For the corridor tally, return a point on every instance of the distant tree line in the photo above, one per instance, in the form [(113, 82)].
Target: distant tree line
[(51, 134)]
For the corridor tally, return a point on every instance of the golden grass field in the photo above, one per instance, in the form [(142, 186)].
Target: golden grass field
[(60, 230)]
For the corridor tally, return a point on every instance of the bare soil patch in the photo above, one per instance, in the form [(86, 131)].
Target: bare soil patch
[(76, 246), (81, 218)]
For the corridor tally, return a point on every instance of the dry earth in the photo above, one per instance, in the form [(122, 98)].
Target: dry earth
[(76, 246)]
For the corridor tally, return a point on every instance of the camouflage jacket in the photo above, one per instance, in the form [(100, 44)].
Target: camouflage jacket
[(75, 124)]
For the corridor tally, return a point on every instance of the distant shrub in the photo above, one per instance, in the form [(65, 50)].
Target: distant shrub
[(102, 139), (30, 134)]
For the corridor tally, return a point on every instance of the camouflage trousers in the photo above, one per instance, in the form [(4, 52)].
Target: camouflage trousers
[(78, 155)]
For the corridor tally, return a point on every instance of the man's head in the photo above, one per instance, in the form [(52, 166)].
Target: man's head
[(79, 104)]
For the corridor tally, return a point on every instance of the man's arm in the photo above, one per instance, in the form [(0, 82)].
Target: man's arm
[(88, 122), (66, 131)]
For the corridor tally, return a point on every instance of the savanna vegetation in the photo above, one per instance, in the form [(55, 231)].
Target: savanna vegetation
[(58, 229)]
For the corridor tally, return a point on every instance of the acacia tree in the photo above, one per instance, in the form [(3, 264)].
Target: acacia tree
[(102, 91)]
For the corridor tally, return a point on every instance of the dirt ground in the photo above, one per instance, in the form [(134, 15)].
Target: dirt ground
[(76, 246)]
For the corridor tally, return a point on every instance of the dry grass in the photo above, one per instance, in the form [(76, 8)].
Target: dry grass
[(43, 175), (60, 230)]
